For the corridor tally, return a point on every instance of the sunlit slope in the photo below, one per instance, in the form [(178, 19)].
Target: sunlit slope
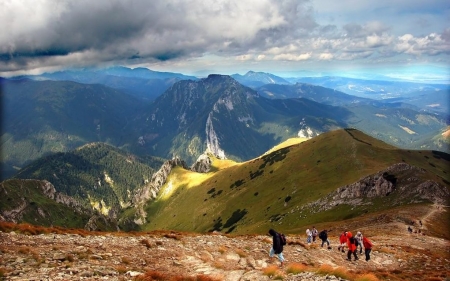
[(288, 142), (269, 191)]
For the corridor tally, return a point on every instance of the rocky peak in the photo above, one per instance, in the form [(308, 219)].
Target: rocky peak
[(203, 164), (401, 178), (150, 190)]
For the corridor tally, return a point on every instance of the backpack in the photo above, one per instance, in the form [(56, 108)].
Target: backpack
[(353, 241), (321, 235), (282, 239)]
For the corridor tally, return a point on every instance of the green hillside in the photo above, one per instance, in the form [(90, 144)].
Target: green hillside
[(98, 175), (271, 190), (26, 199)]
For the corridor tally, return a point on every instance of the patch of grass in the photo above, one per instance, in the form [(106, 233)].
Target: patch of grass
[(222, 249), (70, 258), (24, 250), (296, 268), (146, 243), (173, 236), (366, 277), (241, 253), (341, 272), (121, 269), (272, 271), (2, 272)]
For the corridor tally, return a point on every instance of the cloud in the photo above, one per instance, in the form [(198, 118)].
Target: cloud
[(292, 57), (52, 33)]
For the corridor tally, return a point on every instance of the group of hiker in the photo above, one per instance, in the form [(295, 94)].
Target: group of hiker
[(346, 240)]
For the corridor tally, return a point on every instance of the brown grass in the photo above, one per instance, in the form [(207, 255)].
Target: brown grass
[(126, 260), (222, 249), (271, 271), (146, 243), (173, 236), (241, 253), (24, 250), (121, 269), (341, 272), (366, 277), (159, 276), (296, 268)]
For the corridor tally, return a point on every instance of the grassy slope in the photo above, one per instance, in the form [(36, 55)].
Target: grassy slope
[(268, 191), (37, 209)]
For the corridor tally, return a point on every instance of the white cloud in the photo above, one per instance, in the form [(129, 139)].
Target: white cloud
[(325, 56), (292, 57)]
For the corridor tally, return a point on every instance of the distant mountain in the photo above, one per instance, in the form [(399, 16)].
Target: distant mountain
[(216, 114), (140, 82), (220, 115), (256, 79), (312, 92), (42, 117), (401, 124), (429, 97)]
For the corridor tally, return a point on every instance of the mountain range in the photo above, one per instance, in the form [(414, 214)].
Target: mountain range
[(335, 176), (216, 113), (84, 149)]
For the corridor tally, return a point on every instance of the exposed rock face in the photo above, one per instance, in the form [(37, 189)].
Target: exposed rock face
[(402, 179), (96, 222), (15, 214), (371, 186), (212, 141), (150, 190), (16, 211), (203, 164)]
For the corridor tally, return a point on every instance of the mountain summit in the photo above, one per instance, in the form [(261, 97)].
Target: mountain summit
[(220, 115)]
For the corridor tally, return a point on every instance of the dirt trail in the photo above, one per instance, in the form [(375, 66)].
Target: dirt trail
[(435, 210)]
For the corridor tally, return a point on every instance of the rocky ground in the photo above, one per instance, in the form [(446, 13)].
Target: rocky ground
[(397, 255)]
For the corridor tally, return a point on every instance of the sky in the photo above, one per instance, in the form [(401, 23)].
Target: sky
[(407, 39)]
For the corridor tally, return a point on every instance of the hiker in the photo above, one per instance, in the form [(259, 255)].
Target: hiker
[(351, 244), (308, 236), (367, 247), (277, 246), (342, 241), (359, 240), (315, 232), (323, 235)]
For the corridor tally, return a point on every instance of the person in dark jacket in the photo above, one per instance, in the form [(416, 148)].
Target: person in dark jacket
[(323, 235), (277, 246)]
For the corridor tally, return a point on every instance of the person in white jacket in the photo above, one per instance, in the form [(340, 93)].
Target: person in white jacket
[(308, 236), (359, 238)]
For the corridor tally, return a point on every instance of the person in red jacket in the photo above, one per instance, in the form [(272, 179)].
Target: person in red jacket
[(351, 244), (367, 247), (342, 241)]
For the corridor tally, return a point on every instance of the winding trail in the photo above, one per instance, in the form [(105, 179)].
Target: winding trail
[(436, 209)]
